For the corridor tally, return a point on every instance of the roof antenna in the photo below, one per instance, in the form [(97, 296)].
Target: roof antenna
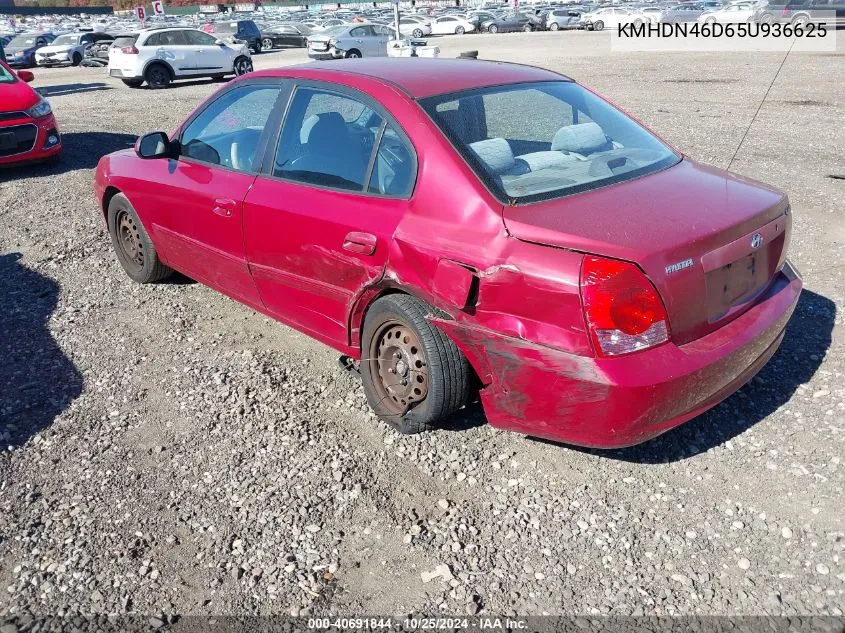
[(765, 96)]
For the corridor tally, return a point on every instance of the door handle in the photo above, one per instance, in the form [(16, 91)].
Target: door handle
[(362, 243), (224, 207)]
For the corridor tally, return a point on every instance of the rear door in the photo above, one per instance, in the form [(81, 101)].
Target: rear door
[(172, 47), (195, 210), (319, 219)]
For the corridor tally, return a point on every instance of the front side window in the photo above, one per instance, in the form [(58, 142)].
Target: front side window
[(227, 132), (543, 140), (198, 38), (327, 140)]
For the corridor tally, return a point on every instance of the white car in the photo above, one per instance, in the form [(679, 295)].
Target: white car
[(411, 26), (612, 17), (68, 48), (159, 56), (449, 24), (735, 13)]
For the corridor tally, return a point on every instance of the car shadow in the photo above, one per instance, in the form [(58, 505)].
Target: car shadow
[(80, 150), (37, 380), (70, 89), (808, 337)]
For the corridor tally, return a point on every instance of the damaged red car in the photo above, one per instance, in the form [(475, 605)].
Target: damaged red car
[(453, 225)]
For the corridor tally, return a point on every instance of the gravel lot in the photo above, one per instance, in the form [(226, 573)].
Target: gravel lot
[(167, 450)]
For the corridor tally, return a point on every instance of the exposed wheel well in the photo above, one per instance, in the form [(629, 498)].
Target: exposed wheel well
[(110, 193), (159, 62)]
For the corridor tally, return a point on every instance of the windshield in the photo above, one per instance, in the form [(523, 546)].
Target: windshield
[(23, 41), (5, 76), (535, 141), (66, 40), (226, 27)]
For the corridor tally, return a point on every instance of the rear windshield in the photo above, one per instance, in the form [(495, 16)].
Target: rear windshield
[(123, 42), (535, 141)]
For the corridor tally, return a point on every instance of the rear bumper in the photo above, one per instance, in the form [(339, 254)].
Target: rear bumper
[(332, 53), (40, 149), (617, 402)]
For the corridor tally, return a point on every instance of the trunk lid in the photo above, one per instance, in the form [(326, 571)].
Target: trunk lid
[(710, 241)]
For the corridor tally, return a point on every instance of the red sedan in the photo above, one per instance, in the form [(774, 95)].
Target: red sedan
[(456, 224), (28, 130)]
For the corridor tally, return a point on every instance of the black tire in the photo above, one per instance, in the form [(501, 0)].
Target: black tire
[(242, 65), (255, 49), (76, 60), (598, 26), (132, 245), (353, 53), (459, 30), (445, 369), (417, 33), (554, 26), (133, 83), (527, 28), (267, 44), (492, 29), (158, 76)]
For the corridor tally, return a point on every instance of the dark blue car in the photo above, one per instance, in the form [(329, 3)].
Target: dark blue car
[(20, 51)]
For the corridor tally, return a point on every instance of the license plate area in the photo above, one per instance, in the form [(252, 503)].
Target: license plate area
[(735, 283)]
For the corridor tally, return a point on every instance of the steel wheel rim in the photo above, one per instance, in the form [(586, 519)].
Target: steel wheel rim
[(398, 366), (129, 239)]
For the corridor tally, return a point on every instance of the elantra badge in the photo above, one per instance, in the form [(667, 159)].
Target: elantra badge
[(756, 240)]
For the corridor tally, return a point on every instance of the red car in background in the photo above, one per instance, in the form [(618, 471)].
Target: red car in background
[(450, 223), (28, 130)]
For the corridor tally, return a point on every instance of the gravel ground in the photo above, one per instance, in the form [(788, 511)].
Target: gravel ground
[(167, 450)]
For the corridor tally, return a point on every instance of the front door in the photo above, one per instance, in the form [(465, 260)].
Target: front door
[(318, 222), (196, 206), (208, 55)]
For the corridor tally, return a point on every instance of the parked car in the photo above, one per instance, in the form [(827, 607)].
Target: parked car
[(235, 31), (3, 42), (563, 19), (802, 12), (28, 129), (451, 24), (285, 36), (69, 48), (477, 18), (507, 23), (406, 218), (612, 17), (732, 14), (160, 56), (688, 11), (414, 28), (350, 40), (20, 51)]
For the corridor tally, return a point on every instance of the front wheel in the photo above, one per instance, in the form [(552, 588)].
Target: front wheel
[(256, 48), (554, 26), (710, 21), (459, 30), (492, 29), (413, 374), (598, 26), (417, 33), (132, 245), (527, 28), (800, 20), (76, 60), (267, 44), (242, 66)]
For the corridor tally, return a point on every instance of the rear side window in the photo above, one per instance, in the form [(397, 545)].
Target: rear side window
[(327, 140), (394, 167), (228, 131), (124, 42)]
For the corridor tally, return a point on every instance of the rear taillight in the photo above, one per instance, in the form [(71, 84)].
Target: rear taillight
[(624, 313), (129, 50)]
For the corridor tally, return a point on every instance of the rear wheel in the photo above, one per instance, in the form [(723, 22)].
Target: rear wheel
[(267, 44), (492, 29), (800, 20), (710, 21), (242, 66), (459, 30), (132, 245), (598, 26), (158, 76), (76, 59), (255, 48), (413, 374), (133, 83), (554, 26), (417, 33), (353, 54), (527, 28)]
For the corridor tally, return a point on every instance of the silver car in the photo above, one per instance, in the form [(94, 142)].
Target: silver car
[(689, 11), (559, 19), (350, 40)]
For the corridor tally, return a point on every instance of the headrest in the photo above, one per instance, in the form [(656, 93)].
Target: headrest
[(580, 138), (323, 128), (495, 153)]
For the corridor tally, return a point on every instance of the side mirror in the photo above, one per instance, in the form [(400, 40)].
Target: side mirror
[(153, 145), (26, 76)]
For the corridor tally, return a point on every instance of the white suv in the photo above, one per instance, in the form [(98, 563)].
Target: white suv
[(158, 56)]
